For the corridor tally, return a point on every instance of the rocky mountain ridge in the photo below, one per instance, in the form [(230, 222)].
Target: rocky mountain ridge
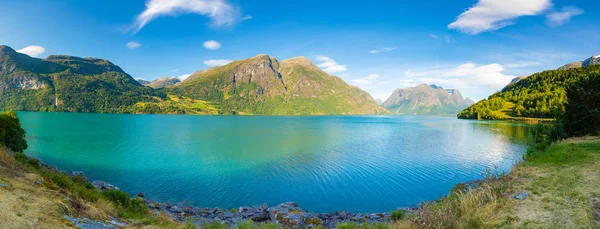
[(263, 85), (426, 99)]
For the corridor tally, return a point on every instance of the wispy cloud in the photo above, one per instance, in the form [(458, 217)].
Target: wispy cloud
[(368, 81), (213, 62), (558, 18), (183, 77), (386, 49), (475, 80), (220, 12), (433, 36), (212, 45), (133, 45), (330, 65), (32, 50), (489, 15)]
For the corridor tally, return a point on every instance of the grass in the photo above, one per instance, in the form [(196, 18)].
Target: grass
[(562, 181), (175, 104)]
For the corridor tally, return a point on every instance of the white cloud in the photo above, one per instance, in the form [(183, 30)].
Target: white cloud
[(386, 49), (212, 45), (329, 65), (133, 45), (489, 15), (32, 50), (183, 77), (368, 80), (247, 17), (433, 36), (559, 18), (220, 12), (475, 80), (213, 62)]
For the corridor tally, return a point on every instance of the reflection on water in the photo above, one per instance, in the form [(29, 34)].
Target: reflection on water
[(361, 164)]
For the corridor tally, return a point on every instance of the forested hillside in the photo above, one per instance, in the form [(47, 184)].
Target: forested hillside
[(541, 95)]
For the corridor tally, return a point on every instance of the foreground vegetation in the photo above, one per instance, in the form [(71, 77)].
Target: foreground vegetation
[(541, 95)]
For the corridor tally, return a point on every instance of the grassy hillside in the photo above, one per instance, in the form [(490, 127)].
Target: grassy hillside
[(541, 95), (259, 85), (263, 85)]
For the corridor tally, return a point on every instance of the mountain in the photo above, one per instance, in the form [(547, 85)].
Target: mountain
[(264, 85), (259, 85), (541, 95), (66, 83), (143, 81), (379, 101), (163, 82), (426, 99), (594, 60)]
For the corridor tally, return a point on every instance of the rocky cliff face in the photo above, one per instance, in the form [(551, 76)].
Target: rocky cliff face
[(426, 99), (264, 85), (11, 75), (65, 83)]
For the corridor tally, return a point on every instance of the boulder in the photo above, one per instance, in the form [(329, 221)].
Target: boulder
[(521, 195), (79, 174), (290, 215), (103, 186)]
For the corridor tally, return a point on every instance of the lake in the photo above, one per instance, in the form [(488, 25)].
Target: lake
[(325, 163)]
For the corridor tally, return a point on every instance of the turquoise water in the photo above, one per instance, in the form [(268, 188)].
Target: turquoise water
[(354, 163)]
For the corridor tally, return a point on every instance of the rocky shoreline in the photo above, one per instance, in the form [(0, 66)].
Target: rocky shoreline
[(287, 215)]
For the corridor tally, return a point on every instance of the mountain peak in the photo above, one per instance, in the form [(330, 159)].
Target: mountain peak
[(7, 49), (594, 60), (300, 60)]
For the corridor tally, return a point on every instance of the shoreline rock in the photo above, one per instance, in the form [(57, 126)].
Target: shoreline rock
[(287, 214)]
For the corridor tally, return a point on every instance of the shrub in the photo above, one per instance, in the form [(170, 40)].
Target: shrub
[(118, 197), (12, 135), (398, 214)]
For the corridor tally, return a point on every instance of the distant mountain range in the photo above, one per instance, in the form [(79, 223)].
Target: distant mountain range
[(426, 99), (160, 83), (258, 85), (541, 95)]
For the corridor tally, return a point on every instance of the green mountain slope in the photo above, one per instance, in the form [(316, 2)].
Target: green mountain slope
[(264, 85), (541, 95), (426, 99), (66, 83)]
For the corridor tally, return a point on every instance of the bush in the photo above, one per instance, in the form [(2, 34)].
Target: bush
[(12, 135), (398, 214)]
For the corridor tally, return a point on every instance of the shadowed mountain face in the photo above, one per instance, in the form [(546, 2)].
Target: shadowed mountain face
[(264, 85), (426, 99), (65, 83)]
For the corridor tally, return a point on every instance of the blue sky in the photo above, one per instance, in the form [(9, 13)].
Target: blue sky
[(475, 46)]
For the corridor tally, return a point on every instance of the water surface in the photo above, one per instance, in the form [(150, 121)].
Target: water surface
[(325, 163)]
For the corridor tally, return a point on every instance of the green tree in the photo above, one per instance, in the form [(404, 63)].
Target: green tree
[(12, 135), (582, 112)]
